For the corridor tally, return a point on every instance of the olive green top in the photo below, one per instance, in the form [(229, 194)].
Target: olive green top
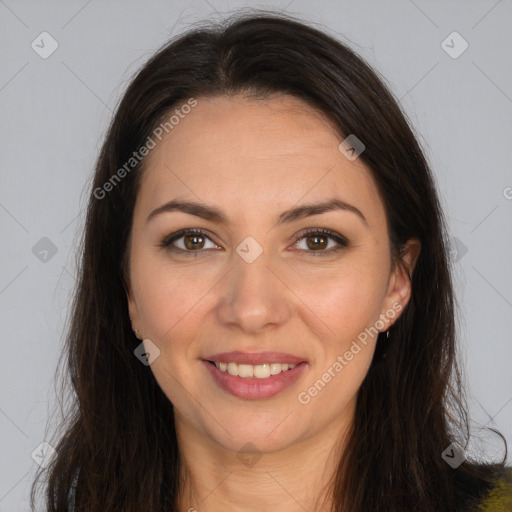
[(499, 498)]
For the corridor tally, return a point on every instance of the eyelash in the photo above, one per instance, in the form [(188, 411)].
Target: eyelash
[(340, 240)]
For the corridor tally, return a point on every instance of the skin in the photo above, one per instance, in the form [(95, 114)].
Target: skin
[(253, 159)]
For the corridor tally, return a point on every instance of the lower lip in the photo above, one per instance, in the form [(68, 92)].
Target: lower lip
[(253, 388)]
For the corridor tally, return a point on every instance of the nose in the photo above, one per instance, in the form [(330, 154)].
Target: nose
[(253, 296)]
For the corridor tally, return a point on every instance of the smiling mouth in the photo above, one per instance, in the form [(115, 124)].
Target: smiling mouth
[(255, 382), (249, 371)]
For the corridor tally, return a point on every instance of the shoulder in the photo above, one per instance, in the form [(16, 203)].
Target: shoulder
[(499, 497), (485, 488)]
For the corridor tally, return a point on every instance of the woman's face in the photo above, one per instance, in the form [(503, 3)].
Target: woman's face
[(251, 281)]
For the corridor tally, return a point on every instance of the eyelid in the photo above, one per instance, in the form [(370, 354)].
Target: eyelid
[(341, 241), (168, 240)]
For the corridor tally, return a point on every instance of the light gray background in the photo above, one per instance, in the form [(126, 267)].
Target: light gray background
[(54, 113)]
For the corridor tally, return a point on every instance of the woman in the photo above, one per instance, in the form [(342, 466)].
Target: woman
[(265, 314)]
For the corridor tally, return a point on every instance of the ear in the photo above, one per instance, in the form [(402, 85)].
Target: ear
[(399, 289), (132, 307)]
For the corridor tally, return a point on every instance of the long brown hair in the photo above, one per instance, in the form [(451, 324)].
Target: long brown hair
[(117, 449)]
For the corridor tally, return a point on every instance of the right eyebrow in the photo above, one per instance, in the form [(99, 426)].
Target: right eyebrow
[(215, 215)]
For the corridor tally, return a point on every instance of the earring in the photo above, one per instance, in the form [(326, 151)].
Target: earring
[(381, 347), (135, 331), (384, 353)]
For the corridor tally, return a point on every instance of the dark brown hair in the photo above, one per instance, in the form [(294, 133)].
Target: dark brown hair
[(118, 448)]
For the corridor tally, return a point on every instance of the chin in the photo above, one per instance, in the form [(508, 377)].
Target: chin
[(264, 437), (258, 444)]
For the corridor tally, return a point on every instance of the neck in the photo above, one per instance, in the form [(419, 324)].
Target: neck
[(294, 479)]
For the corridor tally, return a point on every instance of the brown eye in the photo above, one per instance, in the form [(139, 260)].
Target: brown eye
[(193, 241), (316, 242), (188, 242)]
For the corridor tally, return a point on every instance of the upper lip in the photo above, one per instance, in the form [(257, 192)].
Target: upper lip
[(254, 358)]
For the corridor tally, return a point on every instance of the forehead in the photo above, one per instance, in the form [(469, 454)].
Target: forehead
[(243, 154)]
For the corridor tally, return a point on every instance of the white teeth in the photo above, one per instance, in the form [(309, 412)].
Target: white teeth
[(260, 371), (245, 370), (232, 369), (275, 368)]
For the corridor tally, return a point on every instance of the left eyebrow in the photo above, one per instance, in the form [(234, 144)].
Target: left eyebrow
[(213, 214), (318, 208)]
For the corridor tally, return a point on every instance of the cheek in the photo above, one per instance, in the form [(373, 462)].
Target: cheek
[(350, 308), (347, 299), (340, 381), (172, 301), (167, 297)]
